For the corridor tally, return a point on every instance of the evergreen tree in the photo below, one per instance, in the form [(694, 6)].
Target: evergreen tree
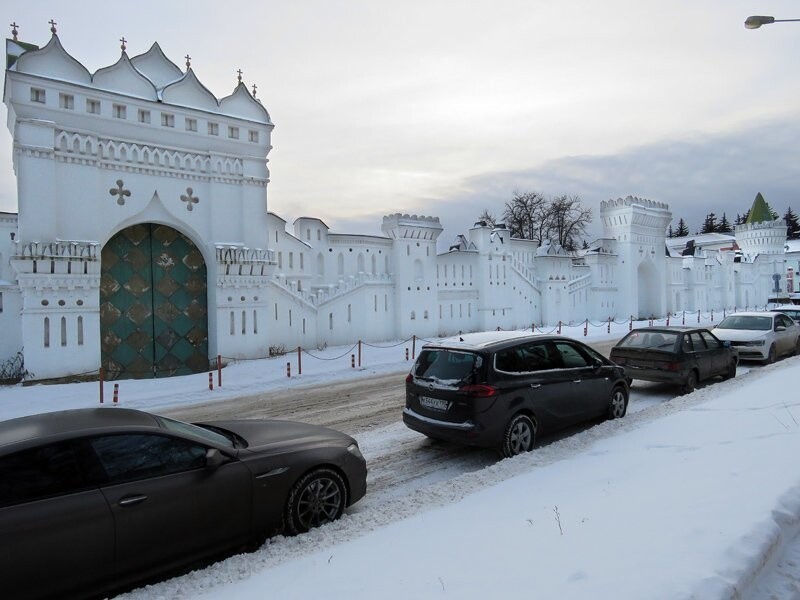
[(670, 233), (724, 226), (585, 245), (710, 224), (682, 230), (792, 224), (738, 220)]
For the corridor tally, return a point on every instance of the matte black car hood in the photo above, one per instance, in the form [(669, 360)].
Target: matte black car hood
[(264, 433)]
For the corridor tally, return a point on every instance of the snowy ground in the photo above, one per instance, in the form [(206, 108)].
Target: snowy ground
[(695, 496)]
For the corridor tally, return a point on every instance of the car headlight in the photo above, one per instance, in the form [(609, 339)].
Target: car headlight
[(754, 343), (355, 450)]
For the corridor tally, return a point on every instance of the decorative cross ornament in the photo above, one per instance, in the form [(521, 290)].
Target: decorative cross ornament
[(239, 71), (254, 90), (119, 192), (124, 41), (14, 31), (188, 61), (52, 26), (189, 199)]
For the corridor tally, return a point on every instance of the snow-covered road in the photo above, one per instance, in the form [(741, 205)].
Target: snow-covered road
[(409, 474)]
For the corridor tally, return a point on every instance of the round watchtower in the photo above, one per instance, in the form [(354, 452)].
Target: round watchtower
[(761, 233)]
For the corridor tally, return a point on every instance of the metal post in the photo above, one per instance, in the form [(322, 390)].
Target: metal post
[(219, 370), (359, 354), (586, 328), (559, 327), (406, 353), (698, 315), (116, 393), (352, 361), (210, 380), (609, 325), (630, 324), (101, 384), (299, 361), (288, 369), (413, 346)]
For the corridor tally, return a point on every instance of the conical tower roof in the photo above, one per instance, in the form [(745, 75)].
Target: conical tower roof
[(760, 212)]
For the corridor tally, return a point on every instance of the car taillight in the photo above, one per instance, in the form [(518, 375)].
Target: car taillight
[(477, 391), (409, 378), (672, 366)]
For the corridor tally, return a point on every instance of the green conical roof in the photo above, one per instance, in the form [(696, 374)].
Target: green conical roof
[(760, 211)]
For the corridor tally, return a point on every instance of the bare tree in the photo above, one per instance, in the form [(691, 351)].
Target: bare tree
[(488, 218), (525, 216), (531, 216), (567, 220)]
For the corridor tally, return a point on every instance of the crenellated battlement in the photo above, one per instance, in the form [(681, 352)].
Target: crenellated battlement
[(417, 227)]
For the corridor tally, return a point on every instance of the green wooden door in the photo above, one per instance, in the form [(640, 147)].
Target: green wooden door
[(153, 304)]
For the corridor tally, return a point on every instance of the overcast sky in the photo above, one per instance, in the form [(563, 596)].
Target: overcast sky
[(445, 108)]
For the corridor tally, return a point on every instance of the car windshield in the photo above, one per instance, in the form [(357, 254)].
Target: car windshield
[(746, 322), (213, 437), (446, 365), (654, 340)]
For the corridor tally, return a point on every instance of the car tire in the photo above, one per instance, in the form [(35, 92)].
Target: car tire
[(731, 372), (617, 404), (318, 497), (772, 355), (690, 384), (519, 436)]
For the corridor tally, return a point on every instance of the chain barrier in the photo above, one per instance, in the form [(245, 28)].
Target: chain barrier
[(102, 374), (350, 350)]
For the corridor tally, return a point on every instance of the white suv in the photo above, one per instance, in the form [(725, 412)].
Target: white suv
[(760, 335)]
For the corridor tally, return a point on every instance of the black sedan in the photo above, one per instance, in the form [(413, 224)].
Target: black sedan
[(94, 500), (680, 355)]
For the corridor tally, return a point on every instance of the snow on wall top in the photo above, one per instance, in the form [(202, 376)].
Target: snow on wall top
[(123, 77), (54, 62), (150, 75), (188, 91), (155, 65), (241, 103), (630, 200)]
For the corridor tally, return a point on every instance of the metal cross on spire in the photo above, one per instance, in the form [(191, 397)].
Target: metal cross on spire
[(124, 41), (52, 26), (239, 71), (188, 61), (14, 31), (254, 90)]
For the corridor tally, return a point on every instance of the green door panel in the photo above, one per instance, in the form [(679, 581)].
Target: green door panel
[(153, 304)]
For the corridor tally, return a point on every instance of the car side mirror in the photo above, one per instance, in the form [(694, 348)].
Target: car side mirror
[(597, 364), (214, 458), (780, 328), (726, 344)]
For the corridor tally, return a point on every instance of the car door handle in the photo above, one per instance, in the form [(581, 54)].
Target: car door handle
[(536, 385), (131, 500), (577, 380)]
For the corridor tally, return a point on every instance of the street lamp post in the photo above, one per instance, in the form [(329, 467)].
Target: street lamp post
[(756, 21)]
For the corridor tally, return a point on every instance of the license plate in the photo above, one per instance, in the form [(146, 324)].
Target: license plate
[(434, 403)]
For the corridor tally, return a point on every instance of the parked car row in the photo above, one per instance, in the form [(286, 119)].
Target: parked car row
[(102, 498)]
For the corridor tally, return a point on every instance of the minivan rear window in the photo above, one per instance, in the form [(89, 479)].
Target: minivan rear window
[(446, 365)]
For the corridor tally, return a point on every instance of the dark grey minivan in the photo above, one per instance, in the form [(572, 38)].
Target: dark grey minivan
[(501, 389)]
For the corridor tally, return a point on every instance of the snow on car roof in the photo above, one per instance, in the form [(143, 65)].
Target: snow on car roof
[(482, 339)]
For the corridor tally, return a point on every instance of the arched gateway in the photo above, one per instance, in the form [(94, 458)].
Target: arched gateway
[(153, 304)]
